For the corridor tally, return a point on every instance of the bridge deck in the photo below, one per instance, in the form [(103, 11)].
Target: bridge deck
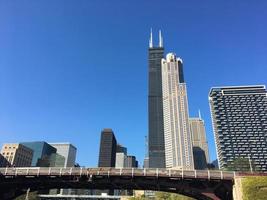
[(133, 172)]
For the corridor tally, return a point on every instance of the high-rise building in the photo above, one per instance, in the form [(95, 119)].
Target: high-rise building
[(121, 149), (120, 160), (239, 118), (41, 151), (68, 151), (131, 162), (17, 155), (178, 144), (155, 106), (200, 144), (65, 156), (121, 156), (107, 152)]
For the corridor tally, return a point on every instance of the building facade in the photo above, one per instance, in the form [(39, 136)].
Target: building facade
[(107, 152), (67, 150), (17, 154), (3, 161), (239, 118), (41, 152), (121, 156), (155, 107), (200, 144), (121, 149), (65, 156), (178, 143), (131, 162)]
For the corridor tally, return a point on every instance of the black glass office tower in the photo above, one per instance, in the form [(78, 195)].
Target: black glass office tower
[(155, 106), (107, 152), (239, 117)]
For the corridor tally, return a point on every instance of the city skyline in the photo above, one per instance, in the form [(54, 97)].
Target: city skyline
[(64, 78)]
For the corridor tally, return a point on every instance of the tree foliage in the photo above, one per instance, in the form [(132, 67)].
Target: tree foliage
[(239, 164)]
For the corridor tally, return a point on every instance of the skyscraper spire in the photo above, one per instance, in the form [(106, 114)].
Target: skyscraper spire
[(199, 114), (160, 39), (151, 39)]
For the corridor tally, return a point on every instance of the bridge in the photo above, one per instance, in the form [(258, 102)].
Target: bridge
[(199, 184)]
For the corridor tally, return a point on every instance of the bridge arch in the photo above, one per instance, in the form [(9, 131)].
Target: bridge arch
[(189, 183)]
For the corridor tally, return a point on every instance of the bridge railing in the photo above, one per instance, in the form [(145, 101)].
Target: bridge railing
[(69, 171)]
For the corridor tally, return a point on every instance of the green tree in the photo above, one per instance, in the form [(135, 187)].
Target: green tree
[(239, 164)]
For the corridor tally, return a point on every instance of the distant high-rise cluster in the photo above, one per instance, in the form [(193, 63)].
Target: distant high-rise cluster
[(239, 117), (112, 154), (38, 154), (170, 136)]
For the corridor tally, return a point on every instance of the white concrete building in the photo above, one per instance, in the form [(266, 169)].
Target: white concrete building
[(178, 143)]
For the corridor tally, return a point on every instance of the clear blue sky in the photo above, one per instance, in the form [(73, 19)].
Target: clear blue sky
[(71, 68)]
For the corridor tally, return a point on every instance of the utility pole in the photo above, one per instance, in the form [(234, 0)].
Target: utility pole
[(27, 194), (250, 166)]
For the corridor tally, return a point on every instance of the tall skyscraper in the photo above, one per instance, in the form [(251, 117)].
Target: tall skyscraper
[(178, 144), (17, 154), (107, 152), (239, 118), (200, 144), (41, 150), (155, 106)]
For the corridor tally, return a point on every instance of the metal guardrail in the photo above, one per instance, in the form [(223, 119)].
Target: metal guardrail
[(132, 172)]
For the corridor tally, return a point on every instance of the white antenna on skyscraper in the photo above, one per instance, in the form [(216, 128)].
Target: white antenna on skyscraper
[(146, 147), (160, 39), (151, 39), (199, 114)]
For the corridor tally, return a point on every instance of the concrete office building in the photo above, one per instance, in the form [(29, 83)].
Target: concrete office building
[(155, 106), (68, 151), (178, 143), (41, 152), (107, 152), (17, 155), (200, 144), (121, 156), (131, 162), (120, 160), (239, 118)]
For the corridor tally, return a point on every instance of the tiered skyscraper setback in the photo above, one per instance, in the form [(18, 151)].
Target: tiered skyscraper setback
[(239, 117), (155, 107), (178, 143)]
